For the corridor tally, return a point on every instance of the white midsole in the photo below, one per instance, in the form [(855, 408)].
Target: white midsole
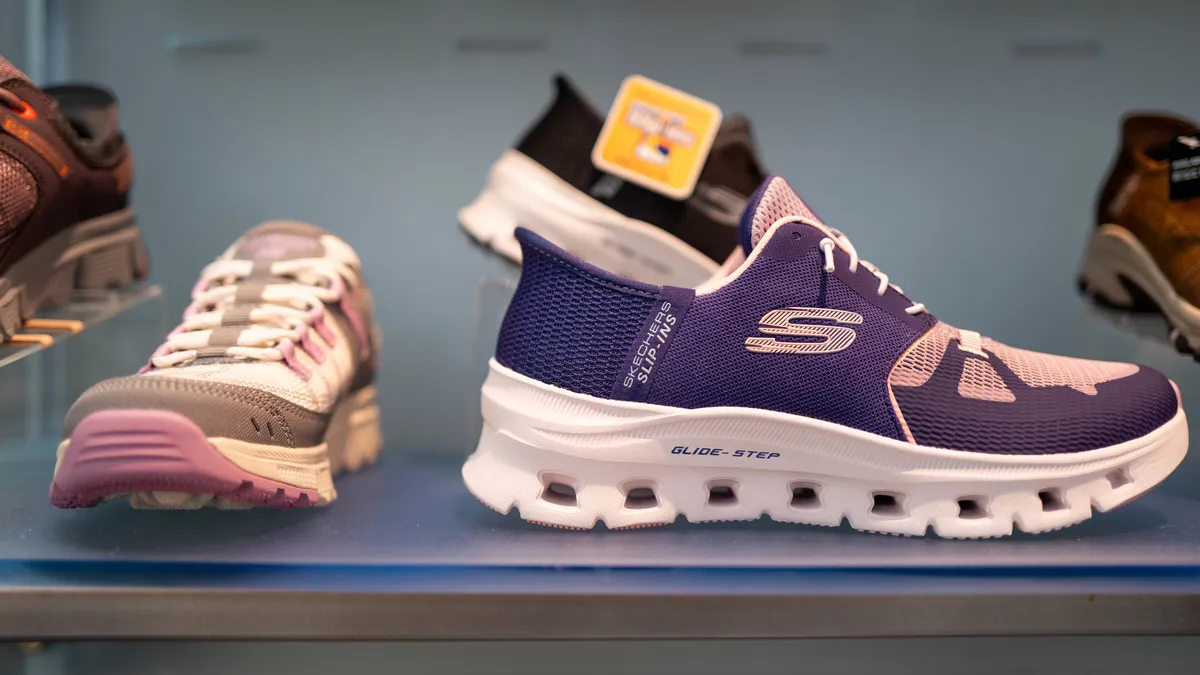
[(521, 192), (353, 438), (533, 430), (1115, 252)]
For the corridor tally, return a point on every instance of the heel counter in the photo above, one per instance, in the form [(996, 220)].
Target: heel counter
[(561, 139), (569, 323)]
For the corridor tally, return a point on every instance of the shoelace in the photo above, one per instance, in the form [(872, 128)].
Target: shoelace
[(839, 240), (286, 317)]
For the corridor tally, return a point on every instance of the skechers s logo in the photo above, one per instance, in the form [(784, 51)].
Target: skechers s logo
[(779, 322)]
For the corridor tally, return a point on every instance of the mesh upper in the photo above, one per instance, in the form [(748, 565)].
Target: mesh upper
[(774, 200), (347, 362), (981, 381), (1013, 401), (903, 376), (1046, 370), (18, 194), (568, 327), (709, 364), (919, 363), (1033, 368)]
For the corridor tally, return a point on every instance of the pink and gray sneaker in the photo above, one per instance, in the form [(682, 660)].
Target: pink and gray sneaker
[(798, 383), (262, 394)]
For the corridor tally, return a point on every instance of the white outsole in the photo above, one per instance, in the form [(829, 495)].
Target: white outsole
[(521, 192), (1114, 252), (536, 436)]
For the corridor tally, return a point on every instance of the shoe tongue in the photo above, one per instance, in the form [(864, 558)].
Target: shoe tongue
[(279, 240), (9, 72), (773, 200)]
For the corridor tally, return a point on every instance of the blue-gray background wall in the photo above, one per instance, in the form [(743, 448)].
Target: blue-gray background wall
[(966, 171), (960, 161), (12, 31)]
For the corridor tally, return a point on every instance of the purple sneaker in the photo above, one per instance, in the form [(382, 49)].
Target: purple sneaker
[(798, 383), (262, 394)]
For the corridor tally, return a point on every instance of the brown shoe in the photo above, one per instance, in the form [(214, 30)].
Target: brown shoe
[(65, 219), (1145, 250)]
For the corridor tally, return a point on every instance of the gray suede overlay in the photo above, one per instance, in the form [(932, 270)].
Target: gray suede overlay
[(220, 410)]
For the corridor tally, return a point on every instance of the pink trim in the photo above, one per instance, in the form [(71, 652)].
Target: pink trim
[(121, 451), (347, 306), (288, 349), (310, 346), (317, 318), (356, 322), (892, 373)]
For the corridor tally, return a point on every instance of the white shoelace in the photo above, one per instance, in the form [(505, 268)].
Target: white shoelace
[(281, 322), (839, 240)]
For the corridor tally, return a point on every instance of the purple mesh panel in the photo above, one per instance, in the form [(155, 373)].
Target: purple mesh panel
[(1040, 420), (18, 195), (570, 323), (709, 364)]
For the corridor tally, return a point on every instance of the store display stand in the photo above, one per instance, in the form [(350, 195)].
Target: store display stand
[(87, 309), (99, 334), (406, 553)]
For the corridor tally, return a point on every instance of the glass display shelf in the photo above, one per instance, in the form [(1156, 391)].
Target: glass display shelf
[(406, 552), (99, 334), (86, 309)]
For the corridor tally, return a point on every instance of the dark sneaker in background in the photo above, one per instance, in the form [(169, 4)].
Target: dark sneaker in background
[(1144, 254), (547, 183), (65, 174), (263, 393)]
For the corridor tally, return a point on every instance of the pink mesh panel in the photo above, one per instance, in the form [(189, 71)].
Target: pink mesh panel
[(981, 381), (1045, 370), (918, 363), (10, 72), (18, 194), (778, 201)]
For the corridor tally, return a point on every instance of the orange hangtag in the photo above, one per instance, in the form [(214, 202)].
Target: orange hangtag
[(657, 137)]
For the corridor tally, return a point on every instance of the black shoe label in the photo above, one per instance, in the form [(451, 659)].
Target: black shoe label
[(1185, 166)]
